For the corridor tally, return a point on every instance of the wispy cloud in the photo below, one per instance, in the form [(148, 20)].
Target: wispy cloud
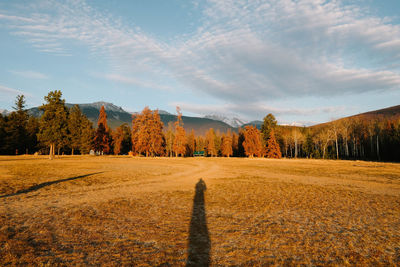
[(30, 74), (136, 82), (12, 91), (244, 52)]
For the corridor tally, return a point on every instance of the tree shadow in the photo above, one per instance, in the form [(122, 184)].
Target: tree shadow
[(39, 186), (199, 240)]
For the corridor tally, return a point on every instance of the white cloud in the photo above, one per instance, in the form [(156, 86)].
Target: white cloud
[(8, 90), (30, 74), (244, 52), (136, 82)]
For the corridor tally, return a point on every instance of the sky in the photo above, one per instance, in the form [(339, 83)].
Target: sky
[(304, 61)]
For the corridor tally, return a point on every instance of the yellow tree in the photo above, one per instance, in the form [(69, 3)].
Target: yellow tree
[(191, 144), (180, 135), (226, 147), (210, 139), (147, 136)]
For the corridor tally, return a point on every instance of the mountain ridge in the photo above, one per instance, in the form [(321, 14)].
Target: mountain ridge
[(117, 115)]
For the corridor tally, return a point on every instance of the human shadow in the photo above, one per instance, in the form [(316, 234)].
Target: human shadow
[(199, 240), (39, 186)]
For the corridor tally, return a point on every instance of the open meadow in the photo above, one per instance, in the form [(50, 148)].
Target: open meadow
[(119, 210)]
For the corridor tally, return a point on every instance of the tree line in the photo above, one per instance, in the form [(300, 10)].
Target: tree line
[(68, 131)]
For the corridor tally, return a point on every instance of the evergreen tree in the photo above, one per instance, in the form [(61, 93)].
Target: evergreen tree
[(3, 134), (308, 146), (87, 136), (122, 139), (17, 136), (269, 124), (102, 140), (53, 123), (75, 128), (273, 149)]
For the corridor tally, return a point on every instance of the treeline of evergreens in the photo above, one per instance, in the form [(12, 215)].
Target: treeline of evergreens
[(61, 130)]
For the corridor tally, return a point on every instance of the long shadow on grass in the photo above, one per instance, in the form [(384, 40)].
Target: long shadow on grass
[(39, 186), (199, 240)]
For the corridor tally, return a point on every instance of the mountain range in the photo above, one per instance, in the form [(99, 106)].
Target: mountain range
[(117, 116)]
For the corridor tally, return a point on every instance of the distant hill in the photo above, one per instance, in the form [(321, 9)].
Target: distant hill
[(117, 116), (253, 123), (387, 113), (390, 112)]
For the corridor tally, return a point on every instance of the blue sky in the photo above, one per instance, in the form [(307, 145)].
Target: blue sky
[(304, 61)]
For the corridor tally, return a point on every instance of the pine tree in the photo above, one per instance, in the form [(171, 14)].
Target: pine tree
[(273, 149), (102, 140), (54, 121), (252, 141), (3, 134), (308, 146), (87, 136), (17, 136), (122, 139), (269, 124), (180, 135), (75, 128)]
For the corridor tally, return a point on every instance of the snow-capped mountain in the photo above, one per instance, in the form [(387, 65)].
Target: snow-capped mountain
[(231, 120), (4, 112), (107, 106)]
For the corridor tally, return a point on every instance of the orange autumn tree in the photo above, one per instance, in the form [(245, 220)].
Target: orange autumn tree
[(180, 135), (210, 143), (273, 150), (102, 138), (252, 141), (147, 136), (190, 144), (226, 147)]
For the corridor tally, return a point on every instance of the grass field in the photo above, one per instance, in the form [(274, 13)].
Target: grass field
[(181, 211)]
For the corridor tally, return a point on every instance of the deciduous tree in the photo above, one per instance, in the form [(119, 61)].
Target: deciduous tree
[(273, 149), (210, 141), (180, 135), (252, 141), (226, 148)]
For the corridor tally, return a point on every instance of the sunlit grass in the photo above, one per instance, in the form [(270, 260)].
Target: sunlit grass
[(137, 211)]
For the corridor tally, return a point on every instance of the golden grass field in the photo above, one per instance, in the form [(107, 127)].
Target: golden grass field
[(116, 210)]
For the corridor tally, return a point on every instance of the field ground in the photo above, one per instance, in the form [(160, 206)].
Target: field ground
[(81, 210)]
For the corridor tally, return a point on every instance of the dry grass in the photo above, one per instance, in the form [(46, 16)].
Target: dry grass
[(137, 211)]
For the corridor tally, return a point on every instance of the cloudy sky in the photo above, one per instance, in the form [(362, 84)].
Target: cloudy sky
[(304, 61)]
